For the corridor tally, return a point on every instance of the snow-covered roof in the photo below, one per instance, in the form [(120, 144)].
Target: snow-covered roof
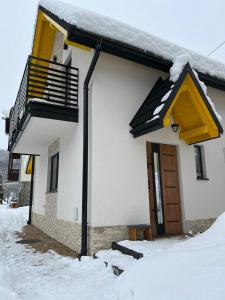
[(121, 32)]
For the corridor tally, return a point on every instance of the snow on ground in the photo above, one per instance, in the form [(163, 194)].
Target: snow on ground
[(25, 274), (172, 269), (193, 269), (150, 248), (115, 258)]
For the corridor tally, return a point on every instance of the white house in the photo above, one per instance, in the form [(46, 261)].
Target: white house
[(121, 128)]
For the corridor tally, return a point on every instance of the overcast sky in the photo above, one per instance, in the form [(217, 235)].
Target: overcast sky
[(195, 24)]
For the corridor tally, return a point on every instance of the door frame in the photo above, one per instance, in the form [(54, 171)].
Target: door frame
[(152, 188)]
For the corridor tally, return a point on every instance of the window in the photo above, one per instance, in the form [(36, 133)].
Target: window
[(54, 169), (199, 162)]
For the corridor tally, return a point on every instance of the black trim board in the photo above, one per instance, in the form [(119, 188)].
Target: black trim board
[(126, 251), (50, 111), (125, 51), (140, 124), (46, 111)]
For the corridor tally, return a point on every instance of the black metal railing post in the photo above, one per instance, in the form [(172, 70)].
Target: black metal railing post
[(28, 71)]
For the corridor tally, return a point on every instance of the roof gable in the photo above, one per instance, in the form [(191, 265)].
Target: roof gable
[(183, 102)]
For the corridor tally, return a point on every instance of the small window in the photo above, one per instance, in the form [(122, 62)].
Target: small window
[(200, 162), (54, 169)]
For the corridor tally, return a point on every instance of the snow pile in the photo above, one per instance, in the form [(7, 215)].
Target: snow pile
[(149, 248), (10, 219), (213, 237), (115, 258), (166, 96), (6, 112), (178, 65), (194, 269), (158, 109), (152, 119), (25, 274), (110, 28)]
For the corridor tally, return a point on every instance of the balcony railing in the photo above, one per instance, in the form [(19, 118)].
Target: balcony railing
[(46, 82)]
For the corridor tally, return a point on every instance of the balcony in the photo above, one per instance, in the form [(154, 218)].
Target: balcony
[(48, 90)]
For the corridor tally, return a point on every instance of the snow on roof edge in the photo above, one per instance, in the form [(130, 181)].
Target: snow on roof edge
[(116, 30)]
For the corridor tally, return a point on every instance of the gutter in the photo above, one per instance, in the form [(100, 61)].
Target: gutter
[(136, 55), (126, 51), (84, 233), (31, 191)]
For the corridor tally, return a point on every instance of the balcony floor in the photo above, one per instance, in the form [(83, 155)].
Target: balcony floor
[(41, 125)]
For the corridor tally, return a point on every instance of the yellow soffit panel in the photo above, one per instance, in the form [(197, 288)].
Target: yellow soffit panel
[(205, 128), (44, 36), (29, 166)]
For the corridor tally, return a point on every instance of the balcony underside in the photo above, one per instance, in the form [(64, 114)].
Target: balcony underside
[(41, 125)]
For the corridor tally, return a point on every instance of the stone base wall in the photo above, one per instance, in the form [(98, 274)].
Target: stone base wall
[(102, 237), (69, 233), (65, 232), (198, 225), (24, 195)]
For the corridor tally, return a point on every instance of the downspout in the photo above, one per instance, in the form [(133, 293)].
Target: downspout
[(84, 233), (31, 191)]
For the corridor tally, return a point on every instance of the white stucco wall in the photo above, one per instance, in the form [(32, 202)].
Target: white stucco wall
[(69, 198), (119, 194), (69, 176), (40, 182), (206, 199)]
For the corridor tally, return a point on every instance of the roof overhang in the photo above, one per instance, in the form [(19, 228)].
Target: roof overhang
[(184, 103), (45, 30), (87, 40)]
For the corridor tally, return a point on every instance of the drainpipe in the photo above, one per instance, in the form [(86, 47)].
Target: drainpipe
[(31, 191), (85, 149)]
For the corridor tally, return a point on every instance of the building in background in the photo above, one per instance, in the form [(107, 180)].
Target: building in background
[(15, 178)]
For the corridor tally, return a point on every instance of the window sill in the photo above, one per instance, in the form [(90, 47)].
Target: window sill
[(202, 178), (51, 192)]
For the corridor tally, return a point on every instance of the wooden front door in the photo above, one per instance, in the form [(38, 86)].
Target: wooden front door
[(164, 193)]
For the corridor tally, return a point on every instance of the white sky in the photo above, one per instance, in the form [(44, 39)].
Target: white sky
[(195, 24)]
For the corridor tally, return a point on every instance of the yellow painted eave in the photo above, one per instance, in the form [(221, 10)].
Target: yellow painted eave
[(45, 34), (190, 111)]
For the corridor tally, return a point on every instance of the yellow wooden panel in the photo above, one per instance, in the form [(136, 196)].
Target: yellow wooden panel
[(29, 165), (45, 35), (189, 110)]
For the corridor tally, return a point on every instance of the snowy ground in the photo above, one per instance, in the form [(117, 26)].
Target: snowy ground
[(28, 275), (187, 270)]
